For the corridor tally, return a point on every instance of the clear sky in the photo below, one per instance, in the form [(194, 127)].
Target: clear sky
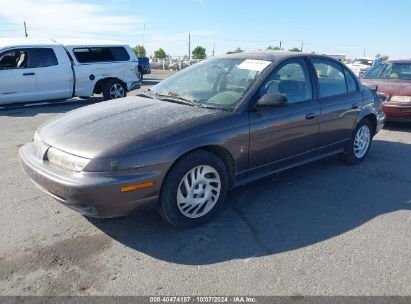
[(343, 27)]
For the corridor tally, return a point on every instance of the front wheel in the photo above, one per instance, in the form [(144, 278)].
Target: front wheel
[(194, 190), (360, 143), (113, 89)]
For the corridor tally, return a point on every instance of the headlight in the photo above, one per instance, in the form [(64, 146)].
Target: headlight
[(401, 99), (66, 160)]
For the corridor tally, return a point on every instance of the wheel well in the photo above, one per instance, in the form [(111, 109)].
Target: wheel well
[(98, 87), (226, 157), (221, 153), (373, 120)]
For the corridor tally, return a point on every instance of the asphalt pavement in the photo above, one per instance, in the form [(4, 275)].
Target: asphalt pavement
[(326, 228)]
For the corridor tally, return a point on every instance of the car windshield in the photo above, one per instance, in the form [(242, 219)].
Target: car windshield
[(390, 70), (219, 83), (363, 61)]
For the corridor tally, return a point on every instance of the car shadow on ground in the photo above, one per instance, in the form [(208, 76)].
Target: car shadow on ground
[(298, 208), (398, 126)]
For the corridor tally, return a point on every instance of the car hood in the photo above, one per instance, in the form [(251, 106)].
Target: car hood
[(121, 126), (391, 87)]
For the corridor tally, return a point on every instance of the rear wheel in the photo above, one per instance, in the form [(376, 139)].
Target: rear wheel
[(113, 89), (360, 143), (194, 190)]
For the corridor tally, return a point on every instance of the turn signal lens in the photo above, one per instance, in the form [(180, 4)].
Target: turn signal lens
[(137, 186)]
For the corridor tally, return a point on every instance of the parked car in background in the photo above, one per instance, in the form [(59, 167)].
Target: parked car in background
[(218, 124), (361, 65), (33, 70), (393, 78), (144, 66)]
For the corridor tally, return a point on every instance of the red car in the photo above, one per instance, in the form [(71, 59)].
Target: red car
[(393, 78)]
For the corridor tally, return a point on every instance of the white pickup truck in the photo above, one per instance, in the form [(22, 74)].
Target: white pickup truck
[(32, 71), (361, 65)]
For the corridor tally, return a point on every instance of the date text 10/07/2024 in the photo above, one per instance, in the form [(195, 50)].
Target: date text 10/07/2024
[(200, 299)]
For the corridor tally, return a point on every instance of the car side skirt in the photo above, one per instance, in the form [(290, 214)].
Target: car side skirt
[(296, 161)]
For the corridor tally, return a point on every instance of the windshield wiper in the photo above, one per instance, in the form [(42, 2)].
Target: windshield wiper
[(146, 95), (185, 99), (177, 98)]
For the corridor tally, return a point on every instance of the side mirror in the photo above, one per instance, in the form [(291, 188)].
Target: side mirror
[(272, 101)]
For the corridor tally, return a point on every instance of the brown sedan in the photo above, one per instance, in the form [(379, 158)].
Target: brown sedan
[(221, 123), (393, 78)]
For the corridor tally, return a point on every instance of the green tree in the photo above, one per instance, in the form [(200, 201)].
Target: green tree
[(295, 50), (237, 50), (160, 53), (199, 53), (140, 51), (273, 48)]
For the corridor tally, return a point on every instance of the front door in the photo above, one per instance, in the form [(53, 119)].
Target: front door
[(279, 133), (18, 83)]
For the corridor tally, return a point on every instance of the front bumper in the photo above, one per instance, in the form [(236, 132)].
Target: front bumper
[(381, 117), (95, 194), (133, 86), (397, 111)]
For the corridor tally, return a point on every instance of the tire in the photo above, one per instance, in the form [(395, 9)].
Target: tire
[(141, 75), (360, 143), (204, 198), (113, 89)]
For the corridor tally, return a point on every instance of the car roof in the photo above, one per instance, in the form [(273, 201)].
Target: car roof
[(365, 58), (399, 61), (88, 42), (273, 55), (6, 43)]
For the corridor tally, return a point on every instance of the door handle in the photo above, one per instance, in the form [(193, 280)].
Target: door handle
[(29, 74), (310, 116), (355, 106)]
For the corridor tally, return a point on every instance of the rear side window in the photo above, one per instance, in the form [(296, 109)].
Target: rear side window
[(330, 77), (42, 57), (101, 54), (351, 83)]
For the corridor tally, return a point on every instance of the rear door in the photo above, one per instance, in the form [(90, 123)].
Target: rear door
[(17, 81), (54, 76), (281, 133), (340, 101)]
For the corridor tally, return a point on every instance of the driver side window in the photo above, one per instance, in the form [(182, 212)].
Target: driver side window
[(15, 59), (291, 80)]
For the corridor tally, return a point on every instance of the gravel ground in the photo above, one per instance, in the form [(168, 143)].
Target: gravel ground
[(322, 229)]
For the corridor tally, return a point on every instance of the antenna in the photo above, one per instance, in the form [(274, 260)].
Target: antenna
[(189, 46), (144, 34), (25, 29)]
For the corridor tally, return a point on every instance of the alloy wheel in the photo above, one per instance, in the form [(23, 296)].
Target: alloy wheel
[(198, 191), (362, 141), (116, 91)]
